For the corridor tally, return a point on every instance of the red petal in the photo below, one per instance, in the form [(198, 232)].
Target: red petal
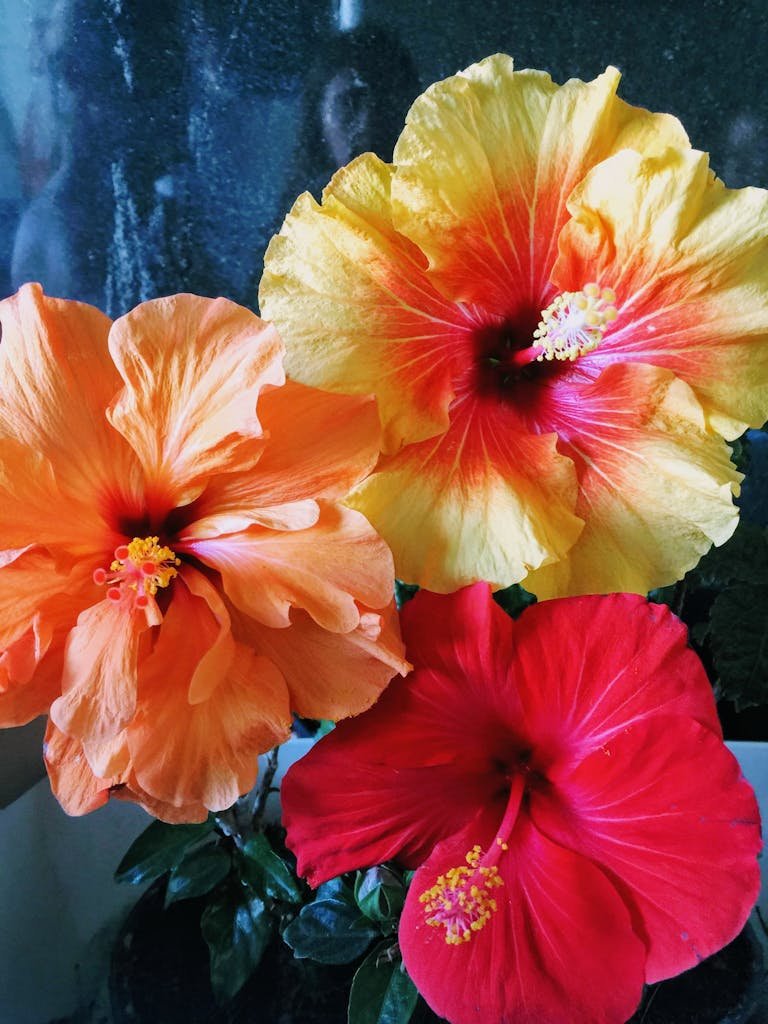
[(559, 947), (663, 807)]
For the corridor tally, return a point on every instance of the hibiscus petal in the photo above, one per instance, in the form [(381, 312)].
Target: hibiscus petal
[(210, 621), (618, 660), (403, 796), (687, 259), (352, 299), (193, 369), (57, 382), (486, 500), (332, 675), (655, 486), (202, 753), (664, 809), (485, 165), (559, 946), (320, 445), (324, 569), (99, 673), (72, 780)]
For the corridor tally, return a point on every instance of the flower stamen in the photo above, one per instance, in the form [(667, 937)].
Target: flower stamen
[(574, 323), (461, 900), (139, 569)]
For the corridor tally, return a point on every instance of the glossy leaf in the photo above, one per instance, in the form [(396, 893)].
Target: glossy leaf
[(197, 873), (267, 873), (382, 992), (739, 641), (237, 931), (379, 893), (329, 931), (158, 849), (743, 559)]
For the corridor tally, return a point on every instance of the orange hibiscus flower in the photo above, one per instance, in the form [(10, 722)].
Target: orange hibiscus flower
[(563, 315), (176, 571)]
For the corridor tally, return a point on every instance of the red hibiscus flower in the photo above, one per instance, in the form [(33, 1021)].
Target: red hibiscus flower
[(561, 784)]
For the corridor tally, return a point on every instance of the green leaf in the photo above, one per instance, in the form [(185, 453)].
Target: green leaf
[(158, 849), (237, 931), (404, 592), (514, 600), (379, 893), (267, 873), (197, 873), (329, 931), (739, 643), (742, 559), (336, 888), (382, 992)]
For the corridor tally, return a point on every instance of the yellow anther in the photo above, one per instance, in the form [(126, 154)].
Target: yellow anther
[(139, 570), (574, 323), (460, 900)]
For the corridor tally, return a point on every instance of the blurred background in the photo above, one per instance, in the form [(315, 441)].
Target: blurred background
[(154, 146)]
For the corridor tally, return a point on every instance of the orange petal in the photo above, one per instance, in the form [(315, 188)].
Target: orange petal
[(193, 369), (324, 569), (353, 301), (99, 673), (486, 163), (688, 260), (56, 382), (655, 486), (486, 501), (73, 782), (320, 445), (332, 675), (206, 753), (210, 621)]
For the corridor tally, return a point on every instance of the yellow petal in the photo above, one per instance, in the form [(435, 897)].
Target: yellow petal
[(688, 260), (655, 487), (485, 165), (352, 301), (482, 502)]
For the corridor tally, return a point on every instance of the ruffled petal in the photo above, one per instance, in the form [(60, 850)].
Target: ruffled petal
[(485, 501), (320, 445), (486, 163), (332, 675), (324, 569), (204, 753), (354, 304), (99, 675), (664, 808), (57, 381), (210, 621), (655, 486), (688, 260), (75, 786), (558, 947), (193, 369)]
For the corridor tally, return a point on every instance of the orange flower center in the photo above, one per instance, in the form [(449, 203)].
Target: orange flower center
[(139, 569), (574, 323), (461, 900)]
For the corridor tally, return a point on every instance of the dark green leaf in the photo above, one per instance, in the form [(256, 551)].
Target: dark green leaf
[(197, 873), (158, 849), (739, 642), (379, 893), (336, 888), (329, 931), (514, 600), (237, 931), (743, 559), (404, 592), (267, 873), (382, 992)]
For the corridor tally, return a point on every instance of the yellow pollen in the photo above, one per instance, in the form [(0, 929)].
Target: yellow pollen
[(574, 323), (139, 570), (461, 900)]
